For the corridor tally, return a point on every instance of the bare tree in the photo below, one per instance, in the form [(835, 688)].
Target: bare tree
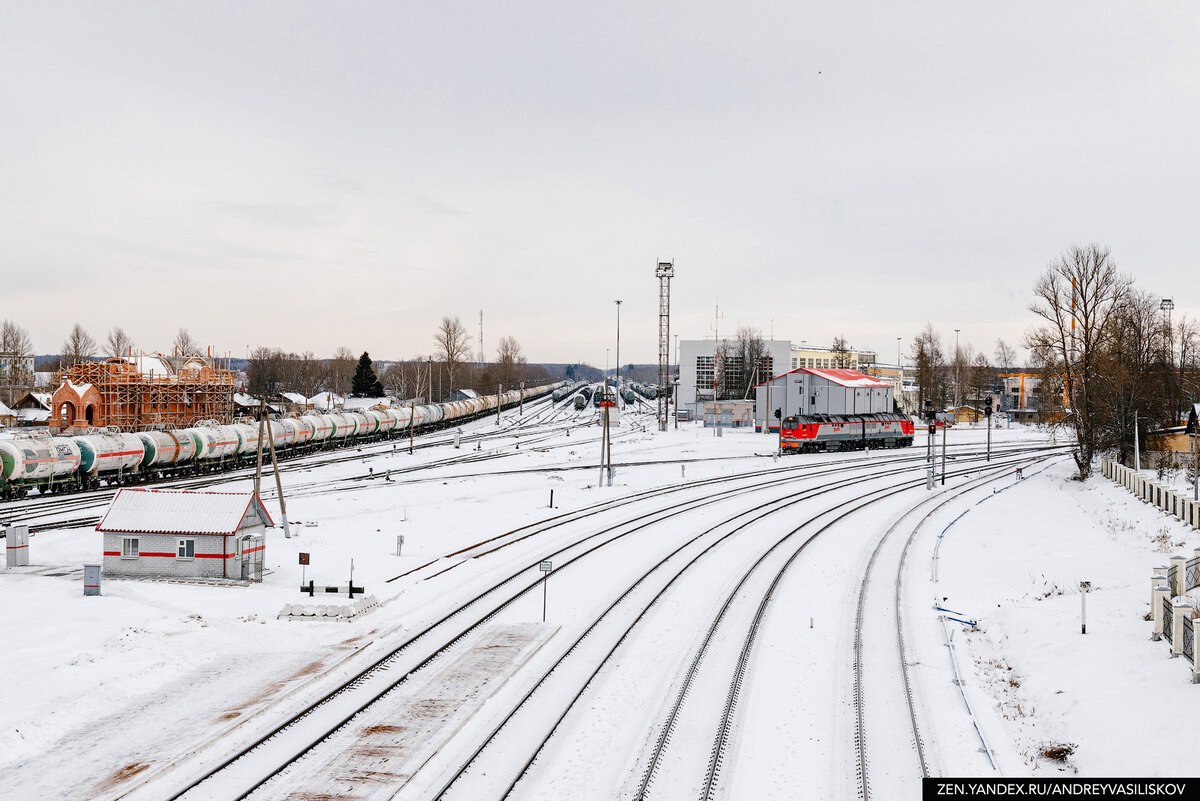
[(14, 341), (1076, 298), (184, 345), (751, 353), (78, 347), (982, 376), (119, 343), (1006, 355), (339, 370), (453, 348), (841, 352), (930, 362), (510, 362)]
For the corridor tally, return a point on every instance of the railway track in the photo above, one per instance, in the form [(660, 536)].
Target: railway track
[(490, 546), (724, 728)]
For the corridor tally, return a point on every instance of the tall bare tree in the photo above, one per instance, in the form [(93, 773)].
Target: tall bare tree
[(78, 347), (510, 362), (929, 361), (841, 352), (119, 343), (751, 353), (15, 340), (453, 348), (1076, 298), (340, 370), (184, 344)]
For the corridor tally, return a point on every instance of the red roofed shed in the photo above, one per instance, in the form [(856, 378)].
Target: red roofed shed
[(185, 534)]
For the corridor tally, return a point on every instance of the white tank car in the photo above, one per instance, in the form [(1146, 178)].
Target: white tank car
[(304, 429), (247, 434), (432, 413), (343, 425), (400, 417), (321, 427), (37, 459), (213, 442), (161, 448), (374, 423), (387, 420), (283, 433), (109, 453), (363, 425)]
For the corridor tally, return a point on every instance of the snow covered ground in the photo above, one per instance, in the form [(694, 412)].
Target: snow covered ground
[(153, 680)]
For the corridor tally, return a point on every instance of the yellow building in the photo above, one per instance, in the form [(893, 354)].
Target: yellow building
[(804, 355)]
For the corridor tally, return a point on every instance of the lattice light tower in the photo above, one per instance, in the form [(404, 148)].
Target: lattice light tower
[(665, 271)]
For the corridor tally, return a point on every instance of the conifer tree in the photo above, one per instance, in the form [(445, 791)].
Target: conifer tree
[(365, 384)]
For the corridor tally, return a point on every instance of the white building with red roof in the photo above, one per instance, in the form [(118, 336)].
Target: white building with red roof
[(161, 533), (813, 391)]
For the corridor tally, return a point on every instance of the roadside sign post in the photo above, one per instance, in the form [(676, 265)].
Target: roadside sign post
[(944, 427), (545, 567), (399, 543), (1084, 586), (303, 566)]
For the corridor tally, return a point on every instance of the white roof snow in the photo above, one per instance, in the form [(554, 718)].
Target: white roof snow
[(153, 511), (848, 378), (364, 403), (326, 400), (294, 397), (150, 365)]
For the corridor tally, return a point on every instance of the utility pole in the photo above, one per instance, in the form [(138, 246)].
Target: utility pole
[(278, 481), (499, 401), (522, 412), (262, 414), (664, 272), (412, 425), (1137, 454)]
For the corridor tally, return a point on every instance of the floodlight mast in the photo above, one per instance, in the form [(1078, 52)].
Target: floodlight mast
[(665, 271)]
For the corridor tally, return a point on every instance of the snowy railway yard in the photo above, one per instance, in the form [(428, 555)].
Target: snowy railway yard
[(719, 624)]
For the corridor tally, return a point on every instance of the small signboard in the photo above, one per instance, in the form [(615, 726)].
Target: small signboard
[(545, 567), (303, 558)]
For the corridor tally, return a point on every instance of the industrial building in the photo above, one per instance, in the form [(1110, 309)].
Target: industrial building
[(810, 391), (137, 392), (185, 534), (708, 373)]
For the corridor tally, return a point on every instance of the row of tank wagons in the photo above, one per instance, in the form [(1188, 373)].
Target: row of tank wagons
[(82, 462), (566, 390)]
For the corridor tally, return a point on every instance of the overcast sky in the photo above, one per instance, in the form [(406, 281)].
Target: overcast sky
[(309, 175)]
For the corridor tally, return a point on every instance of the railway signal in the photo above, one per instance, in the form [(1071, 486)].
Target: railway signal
[(987, 415)]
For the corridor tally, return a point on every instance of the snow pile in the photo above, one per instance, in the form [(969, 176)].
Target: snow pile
[(343, 612)]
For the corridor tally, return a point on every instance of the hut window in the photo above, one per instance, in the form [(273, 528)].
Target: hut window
[(187, 549), (129, 548)]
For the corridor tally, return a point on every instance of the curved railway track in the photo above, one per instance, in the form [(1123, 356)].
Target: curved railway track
[(447, 640)]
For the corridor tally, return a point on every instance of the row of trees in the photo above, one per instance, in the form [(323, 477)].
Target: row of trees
[(1112, 351), (448, 367), (965, 376)]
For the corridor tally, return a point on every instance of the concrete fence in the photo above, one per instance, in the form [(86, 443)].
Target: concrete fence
[(1171, 610), (1174, 503)]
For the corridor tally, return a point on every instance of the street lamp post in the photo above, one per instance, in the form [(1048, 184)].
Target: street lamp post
[(618, 348), (956, 360)]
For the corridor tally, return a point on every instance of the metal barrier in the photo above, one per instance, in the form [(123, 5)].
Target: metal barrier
[(1168, 621), (1189, 640)]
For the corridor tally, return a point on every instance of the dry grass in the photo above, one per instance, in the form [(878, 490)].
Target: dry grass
[(1056, 752)]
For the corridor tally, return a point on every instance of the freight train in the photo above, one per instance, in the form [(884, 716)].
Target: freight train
[(108, 456), (821, 432)]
